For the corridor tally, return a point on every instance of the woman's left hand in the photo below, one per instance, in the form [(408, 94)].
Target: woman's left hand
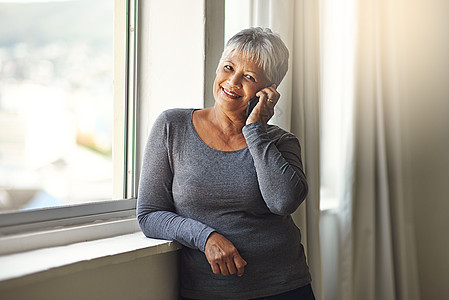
[(264, 110), (222, 256)]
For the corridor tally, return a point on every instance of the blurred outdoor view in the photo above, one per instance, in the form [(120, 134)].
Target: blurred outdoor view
[(56, 102)]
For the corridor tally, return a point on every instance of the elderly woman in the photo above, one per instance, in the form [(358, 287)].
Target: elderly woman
[(224, 184)]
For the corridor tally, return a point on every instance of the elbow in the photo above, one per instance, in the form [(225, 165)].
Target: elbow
[(142, 219), (284, 206), (290, 200), (145, 217), (303, 190), (283, 210), (147, 220)]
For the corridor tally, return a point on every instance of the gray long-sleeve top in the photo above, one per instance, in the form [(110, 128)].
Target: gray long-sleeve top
[(188, 190)]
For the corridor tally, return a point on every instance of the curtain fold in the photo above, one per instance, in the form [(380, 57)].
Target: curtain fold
[(376, 248), (305, 124), (298, 111)]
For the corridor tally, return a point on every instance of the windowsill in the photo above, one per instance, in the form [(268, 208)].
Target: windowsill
[(27, 267)]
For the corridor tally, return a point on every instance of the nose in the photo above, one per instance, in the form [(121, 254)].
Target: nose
[(235, 80)]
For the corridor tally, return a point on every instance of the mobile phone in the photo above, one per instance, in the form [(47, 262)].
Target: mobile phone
[(251, 104)]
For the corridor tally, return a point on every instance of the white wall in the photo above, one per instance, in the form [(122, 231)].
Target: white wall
[(171, 58), (151, 277), (171, 50)]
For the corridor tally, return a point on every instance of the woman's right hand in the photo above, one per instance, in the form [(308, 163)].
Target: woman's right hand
[(222, 256)]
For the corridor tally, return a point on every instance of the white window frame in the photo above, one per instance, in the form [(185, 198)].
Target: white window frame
[(14, 226)]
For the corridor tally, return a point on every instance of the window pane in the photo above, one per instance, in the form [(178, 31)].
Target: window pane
[(337, 96), (56, 102)]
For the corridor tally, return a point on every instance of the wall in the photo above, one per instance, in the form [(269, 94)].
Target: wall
[(151, 277), (171, 57), (171, 50)]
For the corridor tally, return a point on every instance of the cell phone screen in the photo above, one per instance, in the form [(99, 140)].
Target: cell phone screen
[(251, 104)]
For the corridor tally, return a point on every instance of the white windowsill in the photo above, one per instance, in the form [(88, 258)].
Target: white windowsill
[(27, 267)]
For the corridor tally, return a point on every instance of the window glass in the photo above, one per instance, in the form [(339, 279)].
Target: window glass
[(338, 27), (56, 102)]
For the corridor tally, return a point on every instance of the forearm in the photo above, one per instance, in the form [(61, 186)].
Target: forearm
[(170, 226), (279, 171)]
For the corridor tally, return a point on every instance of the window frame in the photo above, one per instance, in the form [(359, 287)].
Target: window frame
[(124, 153), (44, 218)]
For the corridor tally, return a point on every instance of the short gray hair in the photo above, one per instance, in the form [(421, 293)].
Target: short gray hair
[(262, 46)]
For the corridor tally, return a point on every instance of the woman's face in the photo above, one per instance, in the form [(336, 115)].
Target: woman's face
[(237, 81)]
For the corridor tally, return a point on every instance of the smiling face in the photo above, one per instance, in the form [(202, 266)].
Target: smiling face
[(238, 79)]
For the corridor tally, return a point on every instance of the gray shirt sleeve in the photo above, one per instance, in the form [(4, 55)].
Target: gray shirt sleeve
[(279, 168), (155, 208)]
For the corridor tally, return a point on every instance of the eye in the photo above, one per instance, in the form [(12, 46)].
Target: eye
[(250, 78), (228, 67)]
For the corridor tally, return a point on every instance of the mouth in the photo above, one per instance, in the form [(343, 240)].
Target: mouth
[(230, 94)]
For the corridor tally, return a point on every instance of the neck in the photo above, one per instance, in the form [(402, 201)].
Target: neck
[(229, 123)]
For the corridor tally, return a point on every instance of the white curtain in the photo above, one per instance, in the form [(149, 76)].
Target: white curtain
[(298, 111), (377, 255), (305, 88)]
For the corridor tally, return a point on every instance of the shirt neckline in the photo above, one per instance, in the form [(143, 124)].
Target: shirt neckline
[(206, 145)]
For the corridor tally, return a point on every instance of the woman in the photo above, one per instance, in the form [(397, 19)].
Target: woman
[(224, 184)]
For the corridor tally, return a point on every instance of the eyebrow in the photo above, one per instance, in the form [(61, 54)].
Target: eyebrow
[(230, 61)]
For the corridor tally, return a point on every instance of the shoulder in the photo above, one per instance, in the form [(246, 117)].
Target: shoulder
[(171, 126), (171, 121), (173, 118), (175, 115)]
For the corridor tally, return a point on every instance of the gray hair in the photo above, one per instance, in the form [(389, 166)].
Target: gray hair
[(262, 46)]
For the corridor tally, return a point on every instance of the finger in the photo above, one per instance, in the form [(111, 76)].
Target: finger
[(231, 267), (215, 268), (268, 96), (223, 269), (272, 95), (261, 104), (240, 263), (271, 91), (263, 110), (262, 95)]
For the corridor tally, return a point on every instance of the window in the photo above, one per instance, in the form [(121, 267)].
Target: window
[(67, 112), (158, 63), (56, 103), (337, 54)]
